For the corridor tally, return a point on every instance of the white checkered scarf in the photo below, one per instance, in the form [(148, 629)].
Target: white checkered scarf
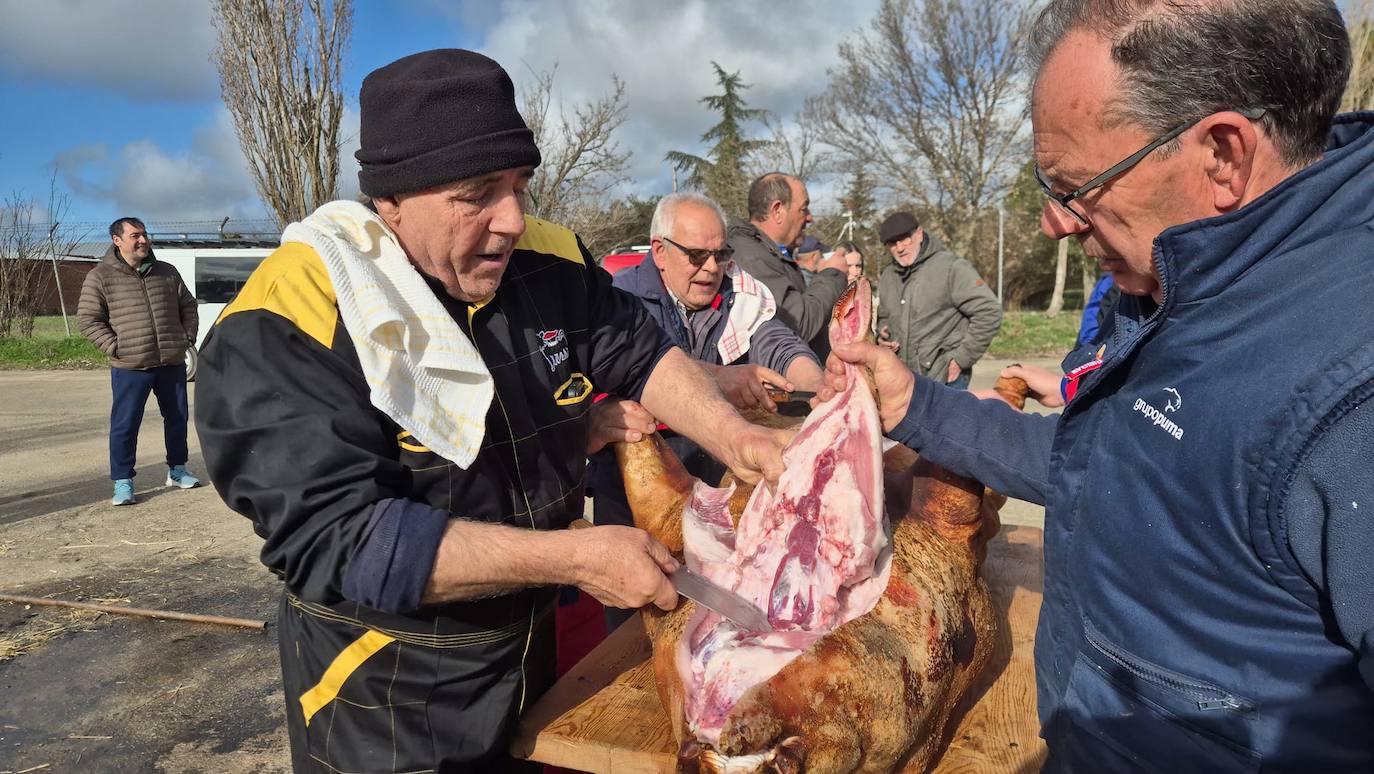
[(422, 370), (753, 307)]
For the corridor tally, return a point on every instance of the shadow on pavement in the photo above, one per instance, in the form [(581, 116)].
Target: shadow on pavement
[(32, 503)]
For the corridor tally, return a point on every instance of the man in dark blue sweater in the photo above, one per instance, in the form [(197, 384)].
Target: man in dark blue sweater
[(1209, 597)]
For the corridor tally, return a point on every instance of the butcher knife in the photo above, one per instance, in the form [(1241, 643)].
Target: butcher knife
[(783, 396), (720, 599)]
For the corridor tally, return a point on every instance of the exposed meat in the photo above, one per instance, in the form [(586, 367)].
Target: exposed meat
[(867, 565), (806, 553)]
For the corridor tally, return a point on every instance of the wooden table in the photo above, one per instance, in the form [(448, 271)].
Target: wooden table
[(605, 715)]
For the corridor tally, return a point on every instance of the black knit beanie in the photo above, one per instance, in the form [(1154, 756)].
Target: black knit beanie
[(438, 117)]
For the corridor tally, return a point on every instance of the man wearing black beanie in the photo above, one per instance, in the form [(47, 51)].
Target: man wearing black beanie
[(399, 399)]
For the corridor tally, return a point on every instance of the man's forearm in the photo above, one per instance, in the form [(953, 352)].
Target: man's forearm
[(805, 374), (477, 560), (682, 395)]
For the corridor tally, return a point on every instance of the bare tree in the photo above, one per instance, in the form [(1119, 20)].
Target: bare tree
[(931, 98), (796, 147), (582, 162), (281, 78), (1359, 91), (32, 240)]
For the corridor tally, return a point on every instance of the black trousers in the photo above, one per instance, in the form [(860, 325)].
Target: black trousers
[(363, 700)]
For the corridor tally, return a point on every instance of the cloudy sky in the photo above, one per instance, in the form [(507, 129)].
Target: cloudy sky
[(120, 96)]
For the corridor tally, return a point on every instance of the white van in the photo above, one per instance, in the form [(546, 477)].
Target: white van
[(213, 270)]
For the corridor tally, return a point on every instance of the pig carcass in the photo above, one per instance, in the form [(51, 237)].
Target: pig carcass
[(867, 566)]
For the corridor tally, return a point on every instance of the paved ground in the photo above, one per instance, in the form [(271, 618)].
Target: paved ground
[(109, 693)]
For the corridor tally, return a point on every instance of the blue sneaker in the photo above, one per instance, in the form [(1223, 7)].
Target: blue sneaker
[(178, 477), (123, 492)]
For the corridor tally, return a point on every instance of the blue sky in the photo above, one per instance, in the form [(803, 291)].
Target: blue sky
[(121, 95)]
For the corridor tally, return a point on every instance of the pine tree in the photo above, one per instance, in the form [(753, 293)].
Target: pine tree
[(720, 174)]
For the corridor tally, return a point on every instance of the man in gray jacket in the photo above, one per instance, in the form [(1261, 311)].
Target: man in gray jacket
[(137, 310), (779, 210), (933, 308)]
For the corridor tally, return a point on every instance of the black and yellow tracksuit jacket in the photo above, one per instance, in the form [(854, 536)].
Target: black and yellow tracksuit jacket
[(352, 507)]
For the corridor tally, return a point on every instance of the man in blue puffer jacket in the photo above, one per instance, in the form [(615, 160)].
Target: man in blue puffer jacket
[(1209, 593)]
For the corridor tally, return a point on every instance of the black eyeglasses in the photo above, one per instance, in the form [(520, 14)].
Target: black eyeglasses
[(698, 256), (1064, 200)]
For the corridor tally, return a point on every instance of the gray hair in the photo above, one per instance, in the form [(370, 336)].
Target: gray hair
[(666, 212), (1182, 60)]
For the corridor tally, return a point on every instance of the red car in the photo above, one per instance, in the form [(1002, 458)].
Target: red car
[(624, 258)]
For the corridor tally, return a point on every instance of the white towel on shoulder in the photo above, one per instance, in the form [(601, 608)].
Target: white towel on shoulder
[(421, 369), (753, 307)]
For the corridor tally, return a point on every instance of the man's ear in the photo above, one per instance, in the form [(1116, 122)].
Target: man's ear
[(388, 209), (1229, 146), (656, 250), (777, 211)]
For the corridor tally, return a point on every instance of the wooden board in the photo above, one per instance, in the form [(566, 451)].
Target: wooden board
[(604, 715)]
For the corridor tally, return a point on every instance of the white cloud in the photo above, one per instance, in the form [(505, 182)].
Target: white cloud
[(152, 49), (663, 52), (204, 182)]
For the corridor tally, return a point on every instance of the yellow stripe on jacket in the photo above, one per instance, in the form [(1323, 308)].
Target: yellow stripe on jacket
[(292, 283)]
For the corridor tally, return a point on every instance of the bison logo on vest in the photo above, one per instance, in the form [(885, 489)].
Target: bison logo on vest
[(554, 346)]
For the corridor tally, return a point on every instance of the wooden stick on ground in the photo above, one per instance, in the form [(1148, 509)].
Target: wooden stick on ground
[(170, 615)]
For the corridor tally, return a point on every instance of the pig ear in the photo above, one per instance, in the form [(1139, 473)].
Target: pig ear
[(656, 487)]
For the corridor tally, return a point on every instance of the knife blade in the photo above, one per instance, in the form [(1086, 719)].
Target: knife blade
[(730, 605)]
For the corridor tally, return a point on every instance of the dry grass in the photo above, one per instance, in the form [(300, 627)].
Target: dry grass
[(42, 629)]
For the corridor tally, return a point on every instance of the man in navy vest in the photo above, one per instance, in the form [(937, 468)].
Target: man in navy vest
[(1209, 602)]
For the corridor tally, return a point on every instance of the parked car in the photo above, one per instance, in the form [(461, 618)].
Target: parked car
[(624, 258), (213, 270)]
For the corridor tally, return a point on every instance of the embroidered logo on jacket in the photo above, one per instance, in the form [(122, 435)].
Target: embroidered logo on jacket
[(554, 346), (1175, 403)]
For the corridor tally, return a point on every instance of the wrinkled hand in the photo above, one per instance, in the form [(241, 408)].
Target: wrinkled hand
[(837, 260), (894, 381), (614, 420), (756, 453), (624, 567), (954, 371), (743, 385), (1043, 383), (885, 339)]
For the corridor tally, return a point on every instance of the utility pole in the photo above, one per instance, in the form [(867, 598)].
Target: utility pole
[(847, 230), (57, 277), (1001, 237)]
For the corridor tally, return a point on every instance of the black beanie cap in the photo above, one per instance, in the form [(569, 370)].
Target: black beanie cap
[(438, 117)]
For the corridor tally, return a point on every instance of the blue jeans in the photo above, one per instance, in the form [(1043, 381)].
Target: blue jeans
[(961, 381), (131, 390)]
